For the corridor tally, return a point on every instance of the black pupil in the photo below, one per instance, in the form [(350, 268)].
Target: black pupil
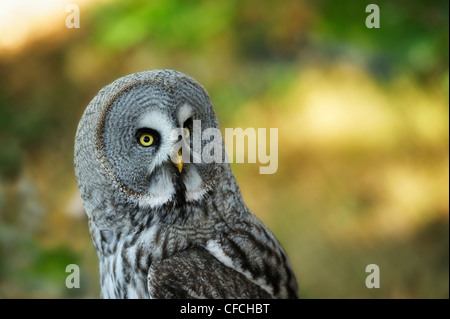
[(146, 139)]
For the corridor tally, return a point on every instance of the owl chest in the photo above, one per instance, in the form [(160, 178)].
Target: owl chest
[(124, 273), (119, 279)]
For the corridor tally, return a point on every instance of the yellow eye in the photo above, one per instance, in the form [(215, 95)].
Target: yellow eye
[(146, 140), (187, 133)]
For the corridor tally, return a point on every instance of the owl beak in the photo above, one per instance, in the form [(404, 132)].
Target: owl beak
[(179, 161)]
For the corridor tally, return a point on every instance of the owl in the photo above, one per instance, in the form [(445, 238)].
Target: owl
[(165, 222)]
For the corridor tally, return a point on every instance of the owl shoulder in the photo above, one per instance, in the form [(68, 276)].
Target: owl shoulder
[(195, 273)]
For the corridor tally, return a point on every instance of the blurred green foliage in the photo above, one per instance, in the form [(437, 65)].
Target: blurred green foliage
[(168, 24), (363, 133)]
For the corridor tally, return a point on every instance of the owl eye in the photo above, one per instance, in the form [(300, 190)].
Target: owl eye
[(187, 132), (146, 139), (187, 128)]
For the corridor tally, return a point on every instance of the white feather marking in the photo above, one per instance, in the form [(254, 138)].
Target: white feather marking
[(194, 183), (146, 201), (216, 250), (132, 294), (160, 191), (147, 237), (157, 121), (184, 112), (108, 285)]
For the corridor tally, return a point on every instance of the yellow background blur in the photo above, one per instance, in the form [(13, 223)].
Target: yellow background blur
[(362, 117)]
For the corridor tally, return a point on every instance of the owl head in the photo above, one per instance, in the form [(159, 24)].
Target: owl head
[(127, 146)]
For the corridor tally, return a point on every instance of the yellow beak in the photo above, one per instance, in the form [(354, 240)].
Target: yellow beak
[(179, 161)]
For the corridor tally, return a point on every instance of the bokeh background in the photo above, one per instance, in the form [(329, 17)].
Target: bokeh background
[(362, 117)]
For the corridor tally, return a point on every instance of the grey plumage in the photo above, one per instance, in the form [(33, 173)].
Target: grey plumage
[(159, 232)]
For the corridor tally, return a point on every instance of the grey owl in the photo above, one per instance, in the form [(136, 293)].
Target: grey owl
[(164, 228)]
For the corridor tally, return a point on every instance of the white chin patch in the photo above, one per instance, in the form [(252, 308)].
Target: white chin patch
[(160, 191), (194, 186)]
